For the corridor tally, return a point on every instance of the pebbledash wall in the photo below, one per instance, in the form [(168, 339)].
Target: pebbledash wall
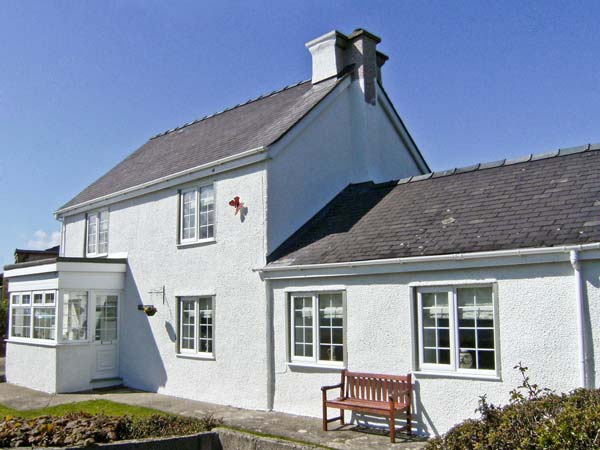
[(281, 194), (537, 325), (145, 229)]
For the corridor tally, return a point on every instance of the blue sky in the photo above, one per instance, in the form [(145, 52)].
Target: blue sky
[(83, 84)]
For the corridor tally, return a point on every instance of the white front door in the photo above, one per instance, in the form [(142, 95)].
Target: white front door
[(106, 325)]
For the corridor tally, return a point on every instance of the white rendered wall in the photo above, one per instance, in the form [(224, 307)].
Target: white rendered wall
[(73, 367), (24, 363), (350, 141), (146, 228), (537, 325)]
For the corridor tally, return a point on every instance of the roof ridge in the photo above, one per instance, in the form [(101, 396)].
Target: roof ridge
[(260, 97), (493, 164)]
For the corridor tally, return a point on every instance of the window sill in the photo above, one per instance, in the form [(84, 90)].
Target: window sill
[(196, 243), (323, 367), (96, 255), (36, 342), (196, 356), (463, 375), (43, 343)]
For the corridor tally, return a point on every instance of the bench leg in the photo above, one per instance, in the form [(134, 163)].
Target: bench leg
[(392, 427), (408, 420), (324, 412), (342, 417)]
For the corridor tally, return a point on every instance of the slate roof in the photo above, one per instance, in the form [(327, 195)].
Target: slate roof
[(258, 122), (538, 201)]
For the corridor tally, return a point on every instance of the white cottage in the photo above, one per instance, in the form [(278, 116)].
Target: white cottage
[(276, 251)]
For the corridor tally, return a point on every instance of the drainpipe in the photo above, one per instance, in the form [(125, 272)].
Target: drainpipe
[(580, 298)]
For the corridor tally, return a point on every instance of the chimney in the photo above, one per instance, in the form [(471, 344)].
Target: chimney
[(333, 52)]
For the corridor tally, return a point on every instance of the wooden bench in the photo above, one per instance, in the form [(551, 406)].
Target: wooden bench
[(371, 393)]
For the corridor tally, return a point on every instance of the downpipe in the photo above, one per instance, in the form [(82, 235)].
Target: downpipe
[(580, 299)]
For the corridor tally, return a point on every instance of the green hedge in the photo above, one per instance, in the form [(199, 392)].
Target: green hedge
[(534, 419)]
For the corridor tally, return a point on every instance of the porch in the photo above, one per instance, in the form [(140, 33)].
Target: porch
[(64, 323)]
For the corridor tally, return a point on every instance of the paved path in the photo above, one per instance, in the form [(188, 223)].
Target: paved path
[(273, 423)]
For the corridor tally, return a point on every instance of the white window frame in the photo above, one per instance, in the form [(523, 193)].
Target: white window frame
[(89, 294), (198, 193), (31, 306), (96, 218), (314, 360), (195, 351), (453, 367)]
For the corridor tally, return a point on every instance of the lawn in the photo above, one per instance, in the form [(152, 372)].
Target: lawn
[(91, 406)]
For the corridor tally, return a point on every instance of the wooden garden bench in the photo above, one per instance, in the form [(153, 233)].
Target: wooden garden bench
[(371, 393)]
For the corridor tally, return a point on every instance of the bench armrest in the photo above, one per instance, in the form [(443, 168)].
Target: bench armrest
[(335, 386)]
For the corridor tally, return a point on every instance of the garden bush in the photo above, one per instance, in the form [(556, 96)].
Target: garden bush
[(536, 418), (85, 429)]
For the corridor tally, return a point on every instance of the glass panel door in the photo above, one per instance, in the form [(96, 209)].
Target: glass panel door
[(106, 318)]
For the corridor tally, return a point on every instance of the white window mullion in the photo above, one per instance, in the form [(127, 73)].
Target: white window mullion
[(316, 330)]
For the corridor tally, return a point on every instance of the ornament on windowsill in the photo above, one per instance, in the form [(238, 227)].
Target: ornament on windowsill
[(150, 310), (237, 204)]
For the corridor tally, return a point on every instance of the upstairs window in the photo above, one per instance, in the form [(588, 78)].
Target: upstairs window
[(97, 234), (197, 215), (457, 329)]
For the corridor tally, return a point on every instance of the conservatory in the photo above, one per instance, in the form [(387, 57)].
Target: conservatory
[(64, 321)]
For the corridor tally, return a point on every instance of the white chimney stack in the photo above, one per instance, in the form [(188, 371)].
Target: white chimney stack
[(333, 52)]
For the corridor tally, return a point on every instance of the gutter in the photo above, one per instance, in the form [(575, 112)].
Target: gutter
[(580, 299), (434, 258), (218, 162)]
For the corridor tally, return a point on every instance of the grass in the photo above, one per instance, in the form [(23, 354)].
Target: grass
[(105, 407)]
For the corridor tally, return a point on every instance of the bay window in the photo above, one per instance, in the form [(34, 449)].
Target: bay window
[(317, 324), (33, 315), (196, 325), (457, 329), (197, 214), (97, 234)]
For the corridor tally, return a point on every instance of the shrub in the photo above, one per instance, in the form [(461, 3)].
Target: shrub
[(538, 419), (83, 429)]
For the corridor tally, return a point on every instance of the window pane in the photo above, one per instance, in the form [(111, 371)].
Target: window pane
[(103, 233), (38, 298), (435, 323), (467, 359), (49, 297), (486, 360), (92, 233), (303, 326), (188, 217), (207, 207), (43, 323), (21, 322), (106, 318), (74, 326), (467, 338), (26, 299), (485, 338), (331, 332), (16, 299), (205, 311), (188, 324), (476, 328)]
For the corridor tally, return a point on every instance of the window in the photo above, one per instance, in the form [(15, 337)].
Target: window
[(457, 329), (317, 328), (197, 221), (75, 316), (97, 234), (33, 315), (196, 325)]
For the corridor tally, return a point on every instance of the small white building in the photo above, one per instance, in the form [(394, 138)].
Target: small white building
[(276, 251)]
